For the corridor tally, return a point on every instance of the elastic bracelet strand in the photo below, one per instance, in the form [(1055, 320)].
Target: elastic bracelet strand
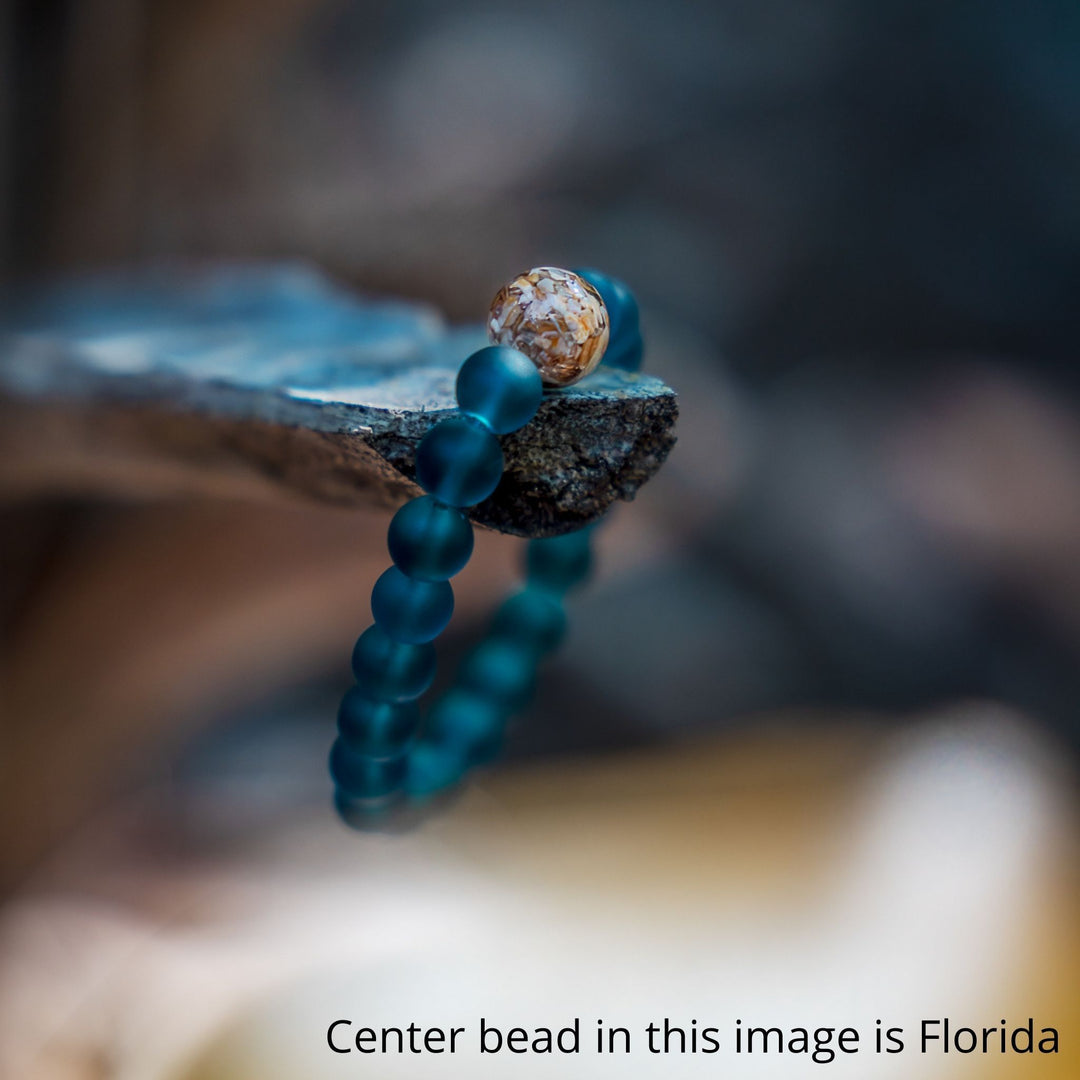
[(386, 755)]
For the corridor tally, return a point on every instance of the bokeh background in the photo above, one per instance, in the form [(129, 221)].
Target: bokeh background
[(854, 230)]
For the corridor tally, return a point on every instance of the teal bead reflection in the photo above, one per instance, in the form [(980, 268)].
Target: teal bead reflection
[(377, 729), (368, 815), (501, 670), (532, 617), (434, 767), (428, 540), (558, 563), (411, 611), (387, 670), (469, 721), (362, 777), (459, 461), (501, 386), (624, 344)]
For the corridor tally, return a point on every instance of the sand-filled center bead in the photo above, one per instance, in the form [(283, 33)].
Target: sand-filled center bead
[(556, 318)]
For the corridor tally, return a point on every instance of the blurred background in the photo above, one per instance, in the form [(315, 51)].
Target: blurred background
[(843, 619)]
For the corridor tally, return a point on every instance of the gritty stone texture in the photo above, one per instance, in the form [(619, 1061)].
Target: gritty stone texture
[(201, 384)]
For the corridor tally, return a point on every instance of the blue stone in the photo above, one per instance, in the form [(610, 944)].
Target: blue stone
[(362, 777), (501, 386), (376, 729), (532, 617), (428, 540), (558, 563), (459, 461), (387, 670), (411, 611)]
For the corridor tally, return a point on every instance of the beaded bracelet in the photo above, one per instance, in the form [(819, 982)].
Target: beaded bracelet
[(548, 327)]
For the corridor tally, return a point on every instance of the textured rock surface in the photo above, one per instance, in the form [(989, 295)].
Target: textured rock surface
[(270, 382)]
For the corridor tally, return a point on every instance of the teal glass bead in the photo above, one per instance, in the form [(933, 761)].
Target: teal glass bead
[(433, 767), (387, 670), (376, 729), (624, 343), (501, 386), (362, 777), (428, 540), (459, 461), (533, 618), (626, 352), (558, 563), (469, 721), (501, 671), (411, 611)]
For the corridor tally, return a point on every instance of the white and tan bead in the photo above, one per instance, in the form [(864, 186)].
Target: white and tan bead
[(556, 319)]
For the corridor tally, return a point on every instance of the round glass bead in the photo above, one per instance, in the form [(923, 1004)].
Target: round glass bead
[(624, 348), (387, 670), (469, 721), (558, 563), (459, 461), (502, 671), (411, 611), (626, 353), (377, 729), (434, 767), (556, 318), (362, 777), (531, 617), (428, 540), (501, 386)]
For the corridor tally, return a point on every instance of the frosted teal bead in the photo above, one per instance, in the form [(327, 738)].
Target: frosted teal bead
[(428, 540), (469, 721), (559, 563), (501, 670), (362, 777), (377, 729), (411, 611), (501, 386), (624, 342), (626, 352), (459, 461), (532, 617), (434, 767), (388, 670)]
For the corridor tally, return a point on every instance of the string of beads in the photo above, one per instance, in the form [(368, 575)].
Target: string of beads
[(384, 754)]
